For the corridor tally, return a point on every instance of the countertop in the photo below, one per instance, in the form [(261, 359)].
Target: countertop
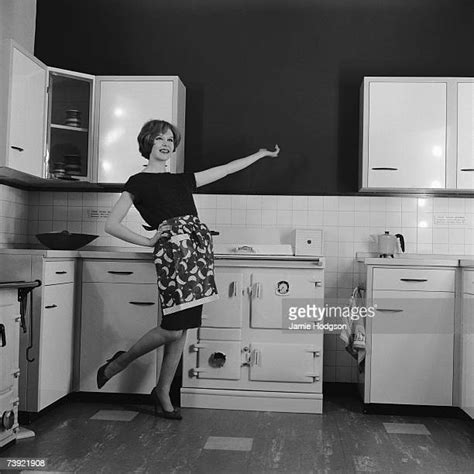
[(135, 253), (413, 259)]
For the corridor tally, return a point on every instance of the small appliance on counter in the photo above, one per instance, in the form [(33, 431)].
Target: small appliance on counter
[(387, 244)]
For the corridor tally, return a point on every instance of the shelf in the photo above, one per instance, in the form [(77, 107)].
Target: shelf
[(66, 127)]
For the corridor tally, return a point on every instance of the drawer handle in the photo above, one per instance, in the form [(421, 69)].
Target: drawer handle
[(467, 169), (51, 306), (142, 303), (385, 168), (17, 148), (390, 310), (116, 272), (61, 272), (420, 280)]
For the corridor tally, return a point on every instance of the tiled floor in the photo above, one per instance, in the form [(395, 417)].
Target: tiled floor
[(93, 438)]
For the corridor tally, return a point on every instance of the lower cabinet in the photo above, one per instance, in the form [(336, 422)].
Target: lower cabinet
[(245, 356), (467, 344), (9, 339), (56, 351), (410, 340), (47, 337), (119, 305)]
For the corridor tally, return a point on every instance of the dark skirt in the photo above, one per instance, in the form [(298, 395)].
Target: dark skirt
[(185, 319)]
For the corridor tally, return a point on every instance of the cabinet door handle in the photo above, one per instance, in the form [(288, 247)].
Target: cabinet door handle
[(17, 148), (51, 306), (385, 168), (467, 169), (117, 272), (142, 303), (419, 280), (390, 310), (61, 272), (3, 336)]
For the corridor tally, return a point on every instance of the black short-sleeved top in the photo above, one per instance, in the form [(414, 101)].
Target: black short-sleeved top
[(159, 196)]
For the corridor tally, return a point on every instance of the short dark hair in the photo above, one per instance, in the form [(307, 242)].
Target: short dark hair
[(150, 131)]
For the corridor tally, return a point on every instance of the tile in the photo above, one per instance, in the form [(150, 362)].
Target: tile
[(406, 428), (228, 443), (114, 415)]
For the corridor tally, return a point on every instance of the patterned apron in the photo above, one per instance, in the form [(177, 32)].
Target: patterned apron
[(184, 263)]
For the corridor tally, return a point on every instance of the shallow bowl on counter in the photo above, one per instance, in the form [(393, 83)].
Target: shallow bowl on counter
[(65, 240)]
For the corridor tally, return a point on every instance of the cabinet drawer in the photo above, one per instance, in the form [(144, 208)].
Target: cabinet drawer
[(468, 281), (418, 279), (59, 272), (118, 271)]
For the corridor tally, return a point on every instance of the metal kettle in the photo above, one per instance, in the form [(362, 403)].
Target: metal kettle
[(387, 244)]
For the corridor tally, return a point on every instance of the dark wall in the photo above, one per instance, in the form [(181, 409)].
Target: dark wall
[(264, 72)]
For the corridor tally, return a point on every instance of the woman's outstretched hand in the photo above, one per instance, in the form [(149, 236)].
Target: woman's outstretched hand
[(273, 153)]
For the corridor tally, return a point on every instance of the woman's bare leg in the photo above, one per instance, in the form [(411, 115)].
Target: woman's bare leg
[(171, 357), (153, 339)]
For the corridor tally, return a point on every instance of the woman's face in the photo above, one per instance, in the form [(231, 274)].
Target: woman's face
[(163, 146)]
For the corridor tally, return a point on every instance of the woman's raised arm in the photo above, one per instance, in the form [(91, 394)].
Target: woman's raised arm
[(214, 174)]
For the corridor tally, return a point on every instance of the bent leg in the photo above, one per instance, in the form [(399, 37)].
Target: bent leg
[(153, 339)]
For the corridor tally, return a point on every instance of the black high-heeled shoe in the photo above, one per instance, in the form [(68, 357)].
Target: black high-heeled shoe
[(101, 378), (171, 415)]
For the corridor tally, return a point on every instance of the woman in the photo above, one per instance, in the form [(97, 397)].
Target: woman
[(181, 244)]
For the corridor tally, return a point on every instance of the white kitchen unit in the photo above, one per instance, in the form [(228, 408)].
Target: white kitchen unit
[(465, 134), (13, 295), (119, 305), (47, 346), (9, 367), (410, 340), (416, 134), (123, 105), (467, 341), (242, 357), (47, 115), (22, 111), (69, 127)]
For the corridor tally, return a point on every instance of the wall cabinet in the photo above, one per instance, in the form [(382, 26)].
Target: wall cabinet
[(410, 340), (244, 356), (54, 125), (69, 127), (416, 134), (22, 111), (122, 106), (119, 305)]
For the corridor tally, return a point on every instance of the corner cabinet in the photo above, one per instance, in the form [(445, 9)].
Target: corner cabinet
[(417, 134), (67, 126), (246, 356), (22, 111), (123, 104)]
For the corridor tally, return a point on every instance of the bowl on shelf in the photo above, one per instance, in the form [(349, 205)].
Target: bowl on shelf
[(65, 240)]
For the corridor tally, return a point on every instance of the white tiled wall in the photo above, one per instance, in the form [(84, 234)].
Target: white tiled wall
[(347, 222), (14, 211)]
